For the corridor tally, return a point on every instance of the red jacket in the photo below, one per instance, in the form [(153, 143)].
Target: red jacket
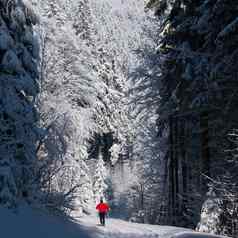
[(102, 207)]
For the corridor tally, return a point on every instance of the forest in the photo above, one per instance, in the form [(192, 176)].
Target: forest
[(131, 101)]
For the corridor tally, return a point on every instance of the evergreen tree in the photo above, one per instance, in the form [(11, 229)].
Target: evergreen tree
[(210, 214), (66, 102), (18, 89), (99, 184), (197, 52)]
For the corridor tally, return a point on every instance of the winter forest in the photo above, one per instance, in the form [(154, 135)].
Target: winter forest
[(134, 101)]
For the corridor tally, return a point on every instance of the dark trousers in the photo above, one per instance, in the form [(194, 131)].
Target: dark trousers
[(102, 218)]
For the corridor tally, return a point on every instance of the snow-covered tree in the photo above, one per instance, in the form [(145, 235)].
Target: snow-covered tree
[(219, 212), (66, 102), (19, 58), (128, 101), (211, 214), (99, 180), (197, 55), (66, 176)]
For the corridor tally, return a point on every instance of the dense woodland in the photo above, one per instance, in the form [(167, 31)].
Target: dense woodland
[(198, 63), (131, 101)]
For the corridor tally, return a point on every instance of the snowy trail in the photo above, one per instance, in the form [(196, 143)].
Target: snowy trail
[(33, 223), (116, 228)]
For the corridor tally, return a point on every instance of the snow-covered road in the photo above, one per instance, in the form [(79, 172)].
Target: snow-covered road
[(116, 228), (33, 223)]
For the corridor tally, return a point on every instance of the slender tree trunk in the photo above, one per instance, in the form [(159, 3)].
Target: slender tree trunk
[(184, 167), (142, 196), (171, 174), (205, 148), (176, 168), (183, 161)]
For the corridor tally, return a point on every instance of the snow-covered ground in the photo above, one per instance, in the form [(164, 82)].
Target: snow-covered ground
[(29, 223), (122, 229), (195, 235)]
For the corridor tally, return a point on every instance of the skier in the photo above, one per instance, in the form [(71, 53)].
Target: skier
[(102, 208)]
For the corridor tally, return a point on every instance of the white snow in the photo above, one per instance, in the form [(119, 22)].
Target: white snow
[(116, 228), (120, 228), (29, 223), (33, 223), (195, 235)]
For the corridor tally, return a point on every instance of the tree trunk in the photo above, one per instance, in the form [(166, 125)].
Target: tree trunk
[(205, 149), (176, 168), (171, 174), (183, 134), (183, 157)]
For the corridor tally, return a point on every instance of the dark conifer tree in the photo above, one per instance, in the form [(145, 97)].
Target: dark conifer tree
[(198, 54), (18, 90)]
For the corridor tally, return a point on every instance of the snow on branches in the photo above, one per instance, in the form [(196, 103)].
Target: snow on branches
[(18, 90)]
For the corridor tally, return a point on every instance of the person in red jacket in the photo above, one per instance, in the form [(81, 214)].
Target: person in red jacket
[(102, 208)]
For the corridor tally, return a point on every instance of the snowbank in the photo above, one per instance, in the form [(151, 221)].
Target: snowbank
[(196, 235), (29, 223)]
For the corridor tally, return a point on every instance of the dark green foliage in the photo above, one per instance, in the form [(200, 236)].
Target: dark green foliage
[(198, 87)]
